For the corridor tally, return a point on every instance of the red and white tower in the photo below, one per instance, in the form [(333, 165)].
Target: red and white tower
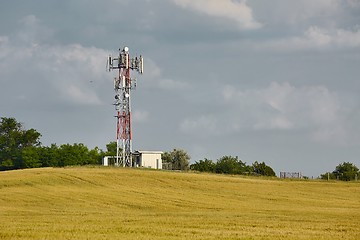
[(123, 84)]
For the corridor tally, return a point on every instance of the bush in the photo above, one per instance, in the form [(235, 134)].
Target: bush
[(345, 172), (205, 165)]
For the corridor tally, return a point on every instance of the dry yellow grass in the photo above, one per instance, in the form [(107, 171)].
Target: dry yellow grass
[(116, 203)]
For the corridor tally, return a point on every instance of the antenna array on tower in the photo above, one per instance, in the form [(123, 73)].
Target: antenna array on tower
[(123, 84)]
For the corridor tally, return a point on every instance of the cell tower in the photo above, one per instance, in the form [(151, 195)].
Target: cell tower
[(123, 84)]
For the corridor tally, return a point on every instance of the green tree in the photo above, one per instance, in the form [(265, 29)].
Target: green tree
[(111, 149), (228, 165), (263, 169), (67, 155), (14, 139), (205, 165), (166, 161), (31, 157), (178, 159), (345, 171), (232, 165), (76, 154), (95, 156), (49, 156)]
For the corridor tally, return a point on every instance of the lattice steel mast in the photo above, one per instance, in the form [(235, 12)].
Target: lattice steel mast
[(123, 84)]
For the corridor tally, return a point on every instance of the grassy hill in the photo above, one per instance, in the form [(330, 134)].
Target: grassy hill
[(116, 203)]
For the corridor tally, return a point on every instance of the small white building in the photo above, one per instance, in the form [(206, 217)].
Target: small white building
[(108, 160), (145, 159), (148, 159)]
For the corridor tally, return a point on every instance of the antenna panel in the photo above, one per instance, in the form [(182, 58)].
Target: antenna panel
[(126, 60), (123, 81), (115, 84), (109, 64), (141, 70)]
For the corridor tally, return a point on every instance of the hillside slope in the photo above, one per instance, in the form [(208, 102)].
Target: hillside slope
[(116, 203)]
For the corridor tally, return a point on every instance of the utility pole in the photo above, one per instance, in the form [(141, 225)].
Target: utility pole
[(123, 84)]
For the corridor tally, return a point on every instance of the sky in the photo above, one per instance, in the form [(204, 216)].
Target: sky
[(268, 81)]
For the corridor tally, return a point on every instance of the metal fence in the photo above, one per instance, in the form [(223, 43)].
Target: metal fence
[(291, 175)]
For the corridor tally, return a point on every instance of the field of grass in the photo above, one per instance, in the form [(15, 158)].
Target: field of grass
[(116, 203)]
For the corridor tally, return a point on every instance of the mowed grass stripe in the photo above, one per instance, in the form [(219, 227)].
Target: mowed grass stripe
[(117, 203)]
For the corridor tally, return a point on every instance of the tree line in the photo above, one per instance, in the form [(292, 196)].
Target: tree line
[(21, 148), (178, 159), (233, 165), (345, 171)]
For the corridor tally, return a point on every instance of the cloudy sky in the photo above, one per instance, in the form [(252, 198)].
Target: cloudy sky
[(274, 81)]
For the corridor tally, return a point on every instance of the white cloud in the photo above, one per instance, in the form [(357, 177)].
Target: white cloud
[(295, 13), (3, 40), (154, 78), (65, 71), (72, 71), (277, 122), (287, 107), (237, 11), (151, 69), (353, 3), (280, 106), (315, 110), (307, 9), (81, 96), (170, 84), (32, 31), (140, 116), (206, 125), (4, 49), (347, 38), (316, 38)]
